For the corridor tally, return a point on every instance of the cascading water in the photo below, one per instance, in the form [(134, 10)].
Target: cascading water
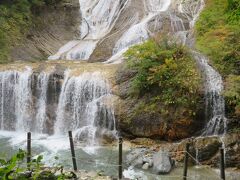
[(85, 100), (98, 18), (215, 105), (84, 105), (139, 31), (16, 100), (42, 87), (36, 102)]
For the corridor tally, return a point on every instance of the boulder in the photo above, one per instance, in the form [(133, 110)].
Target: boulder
[(162, 163), (207, 147), (135, 157), (145, 166)]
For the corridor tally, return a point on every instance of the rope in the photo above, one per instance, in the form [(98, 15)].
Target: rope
[(93, 162), (203, 166), (47, 138)]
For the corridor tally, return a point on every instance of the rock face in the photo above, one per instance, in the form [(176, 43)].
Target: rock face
[(203, 151), (162, 163), (206, 148), (139, 118), (54, 26)]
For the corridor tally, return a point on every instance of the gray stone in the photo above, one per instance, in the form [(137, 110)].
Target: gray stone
[(135, 157), (145, 166), (162, 163)]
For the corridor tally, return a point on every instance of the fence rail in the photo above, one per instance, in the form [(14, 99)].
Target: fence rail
[(119, 165)]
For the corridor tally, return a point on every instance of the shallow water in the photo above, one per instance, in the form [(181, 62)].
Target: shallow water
[(98, 159)]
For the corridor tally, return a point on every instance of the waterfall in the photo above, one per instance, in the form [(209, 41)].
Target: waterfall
[(84, 107), (215, 105), (84, 104)]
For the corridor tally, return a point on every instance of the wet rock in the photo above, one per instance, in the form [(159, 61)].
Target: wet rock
[(232, 148), (162, 163), (145, 166), (135, 157), (207, 147), (107, 137)]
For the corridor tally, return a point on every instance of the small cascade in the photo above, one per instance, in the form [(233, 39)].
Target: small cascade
[(85, 107), (215, 105)]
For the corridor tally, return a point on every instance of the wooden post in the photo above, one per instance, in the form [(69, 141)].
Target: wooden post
[(72, 151), (186, 162), (29, 150), (222, 164), (120, 158)]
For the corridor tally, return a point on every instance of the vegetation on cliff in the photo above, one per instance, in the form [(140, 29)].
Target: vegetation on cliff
[(166, 84), (217, 35), (16, 16)]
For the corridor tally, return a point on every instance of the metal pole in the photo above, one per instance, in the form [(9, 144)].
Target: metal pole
[(120, 158), (186, 162), (222, 164), (72, 151), (29, 150)]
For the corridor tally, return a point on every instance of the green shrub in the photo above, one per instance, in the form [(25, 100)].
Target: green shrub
[(232, 93), (165, 70), (15, 168)]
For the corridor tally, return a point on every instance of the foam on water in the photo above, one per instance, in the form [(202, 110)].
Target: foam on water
[(131, 173)]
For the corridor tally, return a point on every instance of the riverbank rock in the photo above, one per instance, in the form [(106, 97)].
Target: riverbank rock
[(142, 117), (206, 147), (162, 163), (202, 150)]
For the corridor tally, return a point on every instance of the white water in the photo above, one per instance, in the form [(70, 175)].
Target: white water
[(215, 105), (139, 31), (16, 100), (23, 100), (98, 18), (84, 100), (42, 87)]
